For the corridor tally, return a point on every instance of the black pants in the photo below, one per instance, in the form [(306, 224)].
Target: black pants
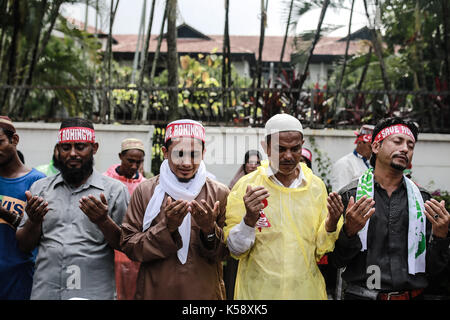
[(349, 296), (229, 276)]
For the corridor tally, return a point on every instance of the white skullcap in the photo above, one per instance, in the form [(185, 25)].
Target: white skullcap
[(283, 122)]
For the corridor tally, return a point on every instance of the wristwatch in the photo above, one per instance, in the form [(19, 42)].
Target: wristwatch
[(211, 237)]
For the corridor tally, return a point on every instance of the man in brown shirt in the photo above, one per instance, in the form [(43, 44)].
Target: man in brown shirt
[(174, 222)]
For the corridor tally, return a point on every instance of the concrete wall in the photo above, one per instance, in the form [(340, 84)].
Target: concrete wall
[(242, 68), (38, 139), (225, 148)]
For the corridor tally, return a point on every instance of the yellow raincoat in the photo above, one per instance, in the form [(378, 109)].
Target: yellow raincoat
[(282, 263)]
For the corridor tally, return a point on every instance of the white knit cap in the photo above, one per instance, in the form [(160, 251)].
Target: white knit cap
[(283, 122)]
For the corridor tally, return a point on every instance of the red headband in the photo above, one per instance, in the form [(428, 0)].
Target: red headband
[(76, 134), (307, 154), (364, 138), (185, 129), (395, 129)]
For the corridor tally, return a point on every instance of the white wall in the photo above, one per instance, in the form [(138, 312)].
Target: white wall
[(38, 139), (242, 68), (318, 73), (225, 148)]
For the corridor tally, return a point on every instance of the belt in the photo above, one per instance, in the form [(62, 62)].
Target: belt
[(399, 295)]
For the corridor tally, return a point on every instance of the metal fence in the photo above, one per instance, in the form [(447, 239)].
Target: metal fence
[(226, 106), (217, 106)]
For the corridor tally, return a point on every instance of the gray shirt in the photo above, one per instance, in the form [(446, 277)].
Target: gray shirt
[(74, 260)]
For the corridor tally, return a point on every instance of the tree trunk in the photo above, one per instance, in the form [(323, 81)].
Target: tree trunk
[(313, 45), (158, 46), (23, 93), (4, 13), (363, 76), (364, 72), (145, 64), (225, 65), (446, 40), (376, 40), (172, 59), (139, 47), (258, 74), (285, 38), (11, 57), (107, 106), (47, 35), (344, 65)]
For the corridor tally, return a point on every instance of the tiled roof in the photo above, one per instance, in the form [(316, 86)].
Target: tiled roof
[(239, 44)]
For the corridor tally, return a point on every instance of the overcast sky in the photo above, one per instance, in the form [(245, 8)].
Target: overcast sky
[(207, 16)]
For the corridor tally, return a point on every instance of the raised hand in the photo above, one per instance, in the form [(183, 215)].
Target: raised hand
[(175, 213), (438, 216), (335, 210), (357, 214), (205, 216), (36, 208), (253, 203), (96, 210)]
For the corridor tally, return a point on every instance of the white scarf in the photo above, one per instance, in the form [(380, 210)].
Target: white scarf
[(416, 224), (168, 183)]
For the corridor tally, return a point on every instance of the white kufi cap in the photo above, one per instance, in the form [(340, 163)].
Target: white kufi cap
[(283, 122)]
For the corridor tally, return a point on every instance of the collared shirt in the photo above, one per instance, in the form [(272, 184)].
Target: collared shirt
[(298, 181), (387, 244), (364, 159), (74, 260), (346, 169)]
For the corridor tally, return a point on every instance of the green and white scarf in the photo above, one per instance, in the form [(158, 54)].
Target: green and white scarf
[(416, 225)]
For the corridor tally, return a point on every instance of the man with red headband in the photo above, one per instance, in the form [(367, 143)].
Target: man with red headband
[(74, 219), (306, 157), (352, 165), (16, 267), (174, 222), (395, 238)]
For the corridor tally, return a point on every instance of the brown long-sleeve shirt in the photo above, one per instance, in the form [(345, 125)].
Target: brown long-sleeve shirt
[(161, 275)]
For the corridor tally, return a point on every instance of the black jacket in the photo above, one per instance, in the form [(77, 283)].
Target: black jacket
[(387, 242)]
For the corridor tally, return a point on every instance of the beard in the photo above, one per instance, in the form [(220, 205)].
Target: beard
[(74, 176), (55, 162), (397, 166), (186, 180)]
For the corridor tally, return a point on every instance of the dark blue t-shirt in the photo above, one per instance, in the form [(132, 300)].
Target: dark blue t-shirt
[(16, 267)]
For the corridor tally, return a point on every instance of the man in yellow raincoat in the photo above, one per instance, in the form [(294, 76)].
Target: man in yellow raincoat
[(277, 221)]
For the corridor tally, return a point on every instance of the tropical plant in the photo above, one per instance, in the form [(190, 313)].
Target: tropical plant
[(440, 195), (204, 71), (39, 46), (323, 163)]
